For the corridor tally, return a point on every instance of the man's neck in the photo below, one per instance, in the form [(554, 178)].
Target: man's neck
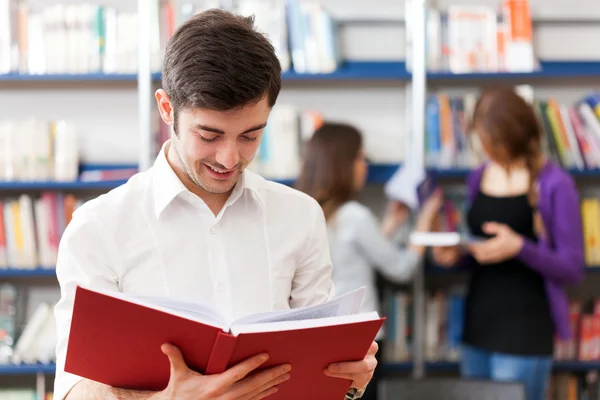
[(214, 201)]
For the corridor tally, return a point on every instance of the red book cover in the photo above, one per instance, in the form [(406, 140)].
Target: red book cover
[(116, 340)]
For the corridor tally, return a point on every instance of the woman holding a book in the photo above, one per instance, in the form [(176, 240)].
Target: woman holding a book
[(527, 209), (334, 171)]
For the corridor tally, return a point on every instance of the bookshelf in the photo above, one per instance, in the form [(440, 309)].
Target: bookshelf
[(554, 74)]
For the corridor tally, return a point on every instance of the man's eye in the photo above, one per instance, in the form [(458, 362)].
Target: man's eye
[(209, 140), (249, 139)]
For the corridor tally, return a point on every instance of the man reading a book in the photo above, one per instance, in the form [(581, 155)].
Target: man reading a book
[(198, 225)]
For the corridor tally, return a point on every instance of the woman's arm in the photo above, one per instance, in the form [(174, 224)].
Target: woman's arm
[(395, 263), (565, 262)]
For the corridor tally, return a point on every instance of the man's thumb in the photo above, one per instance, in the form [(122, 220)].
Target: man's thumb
[(175, 358), (492, 228)]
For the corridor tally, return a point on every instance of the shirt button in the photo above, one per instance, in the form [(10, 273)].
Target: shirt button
[(213, 230), (221, 287)]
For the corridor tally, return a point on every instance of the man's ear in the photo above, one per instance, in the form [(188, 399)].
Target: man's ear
[(164, 106)]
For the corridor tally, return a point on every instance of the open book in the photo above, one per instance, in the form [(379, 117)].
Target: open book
[(115, 339), (411, 185)]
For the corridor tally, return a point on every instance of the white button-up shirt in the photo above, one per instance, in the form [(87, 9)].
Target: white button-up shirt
[(267, 249)]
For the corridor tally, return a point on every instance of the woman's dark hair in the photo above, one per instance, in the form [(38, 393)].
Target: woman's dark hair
[(328, 166), (513, 130)]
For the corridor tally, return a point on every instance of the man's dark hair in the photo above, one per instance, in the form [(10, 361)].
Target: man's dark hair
[(217, 60)]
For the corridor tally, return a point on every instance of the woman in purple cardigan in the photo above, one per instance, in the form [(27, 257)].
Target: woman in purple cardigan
[(528, 210)]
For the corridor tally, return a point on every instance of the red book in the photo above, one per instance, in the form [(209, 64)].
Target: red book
[(115, 339)]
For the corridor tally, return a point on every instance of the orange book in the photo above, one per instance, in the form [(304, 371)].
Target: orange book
[(70, 203)]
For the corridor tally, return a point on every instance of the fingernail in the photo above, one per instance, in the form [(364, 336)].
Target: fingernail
[(286, 368), (285, 377), (333, 368), (264, 357)]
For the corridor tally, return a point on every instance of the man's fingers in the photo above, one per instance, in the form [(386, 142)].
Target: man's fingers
[(357, 367), (373, 349), (239, 371), (267, 386), (265, 394), (175, 358), (349, 377)]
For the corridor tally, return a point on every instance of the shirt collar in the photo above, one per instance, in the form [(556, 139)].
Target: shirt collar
[(167, 185)]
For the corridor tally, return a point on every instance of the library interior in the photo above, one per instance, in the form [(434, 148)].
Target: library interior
[(437, 107)]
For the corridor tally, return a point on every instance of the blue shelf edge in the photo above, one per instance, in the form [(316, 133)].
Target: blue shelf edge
[(93, 77), (38, 272), (567, 366), (357, 70), (347, 70), (548, 69), (27, 369), (51, 185)]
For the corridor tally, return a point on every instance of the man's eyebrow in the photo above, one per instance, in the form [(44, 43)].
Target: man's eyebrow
[(221, 132), (209, 129), (255, 128)]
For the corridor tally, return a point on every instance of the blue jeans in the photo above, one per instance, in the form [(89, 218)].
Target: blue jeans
[(533, 371)]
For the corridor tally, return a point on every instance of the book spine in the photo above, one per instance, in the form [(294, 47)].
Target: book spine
[(221, 353)]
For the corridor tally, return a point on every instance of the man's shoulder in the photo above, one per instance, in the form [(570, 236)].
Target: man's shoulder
[(117, 201)]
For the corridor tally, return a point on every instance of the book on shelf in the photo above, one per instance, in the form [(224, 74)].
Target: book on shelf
[(570, 132), (30, 228), (128, 331), (572, 386), (37, 342), (476, 38), (36, 150), (8, 328)]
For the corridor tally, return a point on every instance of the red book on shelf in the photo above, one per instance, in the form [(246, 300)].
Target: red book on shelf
[(115, 339)]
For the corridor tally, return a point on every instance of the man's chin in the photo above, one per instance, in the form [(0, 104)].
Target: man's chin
[(218, 186)]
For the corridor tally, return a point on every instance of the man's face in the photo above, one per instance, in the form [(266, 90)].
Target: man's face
[(214, 147)]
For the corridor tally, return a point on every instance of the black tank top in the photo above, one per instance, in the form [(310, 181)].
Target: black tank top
[(507, 307)]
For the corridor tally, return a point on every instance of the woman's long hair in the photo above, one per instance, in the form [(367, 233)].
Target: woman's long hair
[(514, 132), (327, 172)]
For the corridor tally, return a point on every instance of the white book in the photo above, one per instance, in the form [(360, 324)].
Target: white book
[(42, 220), (28, 232), (442, 239), (9, 231), (411, 186), (25, 348)]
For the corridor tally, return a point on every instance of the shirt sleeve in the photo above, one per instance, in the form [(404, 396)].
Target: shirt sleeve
[(312, 283), (82, 260), (563, 262), (395, 263)]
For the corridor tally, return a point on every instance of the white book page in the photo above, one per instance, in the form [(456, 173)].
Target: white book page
[(347, 304), (194, 311), (303, 324)]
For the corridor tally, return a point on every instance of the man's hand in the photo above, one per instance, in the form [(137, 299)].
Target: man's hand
[(233, 384), (505, 244), (359, 372)]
